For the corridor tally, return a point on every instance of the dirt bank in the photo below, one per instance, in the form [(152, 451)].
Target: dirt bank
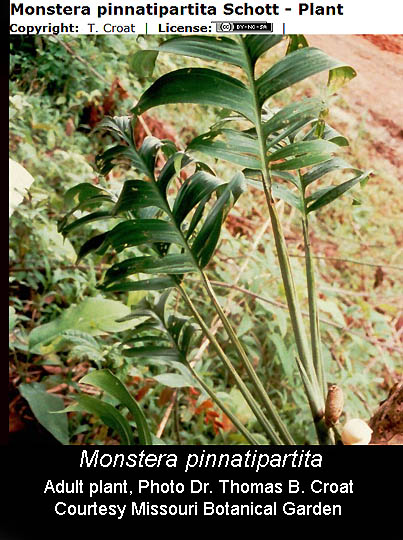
[(376, 93)]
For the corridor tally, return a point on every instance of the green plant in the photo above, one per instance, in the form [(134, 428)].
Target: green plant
[(275, 145), (181, 242), (294, 145), (106, 381)]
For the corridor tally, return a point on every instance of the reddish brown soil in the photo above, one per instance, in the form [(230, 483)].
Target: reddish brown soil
[(375, 95), (392, 43)]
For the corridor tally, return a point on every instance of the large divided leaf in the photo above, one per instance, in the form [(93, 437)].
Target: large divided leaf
[(282, 131), (191, 223), (169, 348)]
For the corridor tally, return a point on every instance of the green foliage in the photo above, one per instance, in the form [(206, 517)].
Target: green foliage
[(44, 283), (181, 246), (94, 316), (266, 150), (106, 381), (289, 146), (107, 413)]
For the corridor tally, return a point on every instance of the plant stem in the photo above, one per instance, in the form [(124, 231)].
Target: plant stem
[(260, 390), (237, 423), (290, 292), (241, 385), (313, 310), (266, 401), (315, 398)]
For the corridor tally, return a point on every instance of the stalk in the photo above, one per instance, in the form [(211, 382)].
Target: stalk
[(260, 390), (290, 292), (313, 310), (314, 393), (241, 385), (237, 423), (325, 437), (270, 408), (246, 433)]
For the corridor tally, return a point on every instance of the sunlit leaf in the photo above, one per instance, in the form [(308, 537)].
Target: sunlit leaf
[(174, 380), (340, 76), (94, 315), (19, 181), (61, 248), (295, 42)]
